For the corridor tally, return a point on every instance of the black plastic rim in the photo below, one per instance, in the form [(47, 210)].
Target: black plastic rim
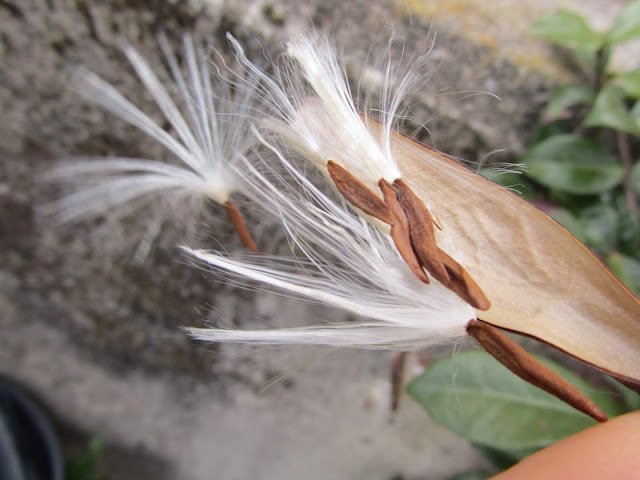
[(29, 446)]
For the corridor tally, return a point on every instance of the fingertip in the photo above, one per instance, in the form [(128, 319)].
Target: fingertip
[(607, 450)]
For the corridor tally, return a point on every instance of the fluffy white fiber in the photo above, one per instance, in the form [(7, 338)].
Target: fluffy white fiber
[(346, 263), (340, 259), (210, 130), (314, 112)]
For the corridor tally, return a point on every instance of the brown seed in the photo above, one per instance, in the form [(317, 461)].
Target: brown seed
[(400, 231), (398, 366), (412, 230), (436, 261), (520, 362), (423, 237), (237, 220), (358, 194), (463, 284)]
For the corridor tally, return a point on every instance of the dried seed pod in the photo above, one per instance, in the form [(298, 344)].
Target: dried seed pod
[(542, 282)]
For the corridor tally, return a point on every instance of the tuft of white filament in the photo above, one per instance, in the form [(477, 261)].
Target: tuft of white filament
[(338, 258), (344, 262), (209, 128), (314, 113)]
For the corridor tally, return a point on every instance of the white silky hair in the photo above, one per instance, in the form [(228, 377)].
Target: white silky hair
[(346, 263), (313, 110), (211, 129)]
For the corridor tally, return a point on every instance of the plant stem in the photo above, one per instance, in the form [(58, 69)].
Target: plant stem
[(627, 162), (598, 70), (597, 81)]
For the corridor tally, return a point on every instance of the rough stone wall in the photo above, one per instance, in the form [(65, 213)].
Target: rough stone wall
[(97, 336)]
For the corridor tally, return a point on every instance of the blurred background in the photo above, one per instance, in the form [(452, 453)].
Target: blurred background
[(95, 335)]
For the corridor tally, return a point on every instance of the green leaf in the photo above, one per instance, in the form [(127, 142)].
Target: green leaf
[(568, 29), (599, 226), (574, 202), (635, 112), (543, 131), (626, 269), (628, 232), (609, 110), (563, 99), (471, 475), (635, 178), (473, 395), (628, 236), (631, 399), (82, 467), (569, 221), (596, 225), (574, 165), (602, 224), (626, 25), (629, 83)]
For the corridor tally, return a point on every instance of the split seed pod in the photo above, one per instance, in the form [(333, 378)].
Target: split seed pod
[(542, 282), (517, 267)]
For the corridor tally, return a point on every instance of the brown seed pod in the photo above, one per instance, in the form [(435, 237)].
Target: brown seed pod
[(542, 282)]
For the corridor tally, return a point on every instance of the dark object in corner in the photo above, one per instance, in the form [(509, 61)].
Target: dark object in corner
[(29, 447)]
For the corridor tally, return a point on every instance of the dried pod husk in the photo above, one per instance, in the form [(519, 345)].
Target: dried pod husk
[(537, 278), (542, 282)]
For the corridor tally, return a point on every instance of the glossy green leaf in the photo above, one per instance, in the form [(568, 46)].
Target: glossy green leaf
[(476, 397), (563, 99), (528, 279), (626, 25), (568, 29), (627, 269), (574, 165), (609, 110), (629, 83)]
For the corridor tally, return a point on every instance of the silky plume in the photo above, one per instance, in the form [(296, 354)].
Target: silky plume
[(210, 130), (344, 262), (487, 244)]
